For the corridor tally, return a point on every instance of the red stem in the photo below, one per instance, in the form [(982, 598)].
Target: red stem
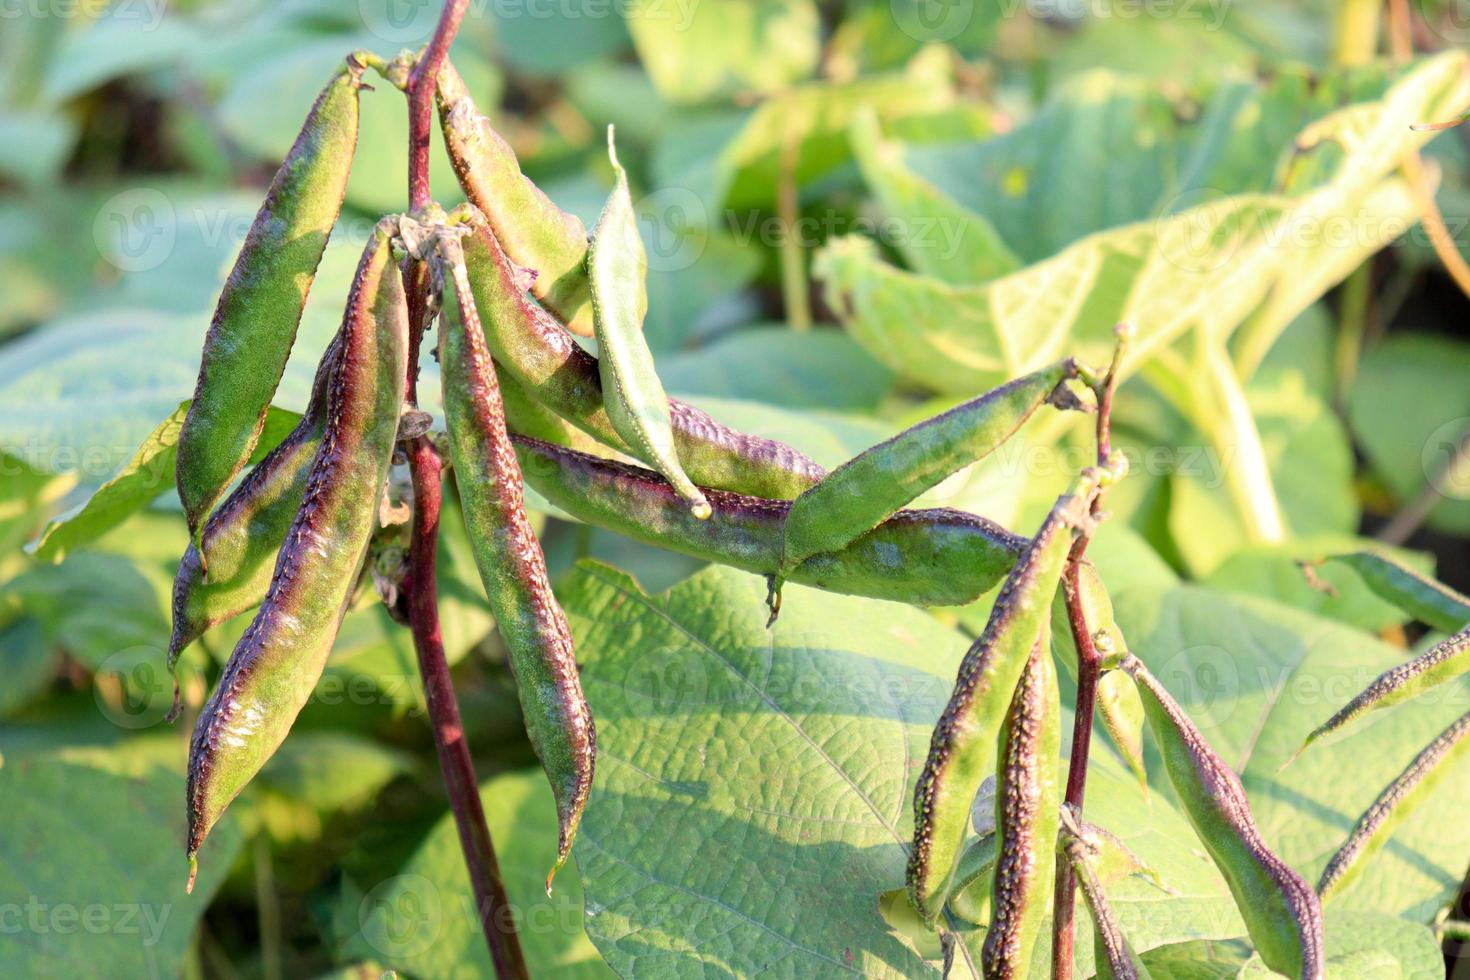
[(421, 100), (420, 588), (1064, 910), (1088, 660)]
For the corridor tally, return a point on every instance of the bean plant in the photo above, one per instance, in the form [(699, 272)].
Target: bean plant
[(1031, 791)]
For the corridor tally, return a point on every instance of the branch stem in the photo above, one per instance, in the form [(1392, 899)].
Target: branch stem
[(1089, 661), (420, 588)]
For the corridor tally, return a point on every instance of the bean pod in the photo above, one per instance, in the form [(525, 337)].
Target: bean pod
[(1117, 961), (558, 373), (1396, 802), (1442, 662), (255, 321), (1118, 704), (512, 566), (962, 749), (278, 661), (1427, 600), (1281, 912), (924, 557), (617, 268), (856, 496), (244, 534), (1027, 811), (535, 233)]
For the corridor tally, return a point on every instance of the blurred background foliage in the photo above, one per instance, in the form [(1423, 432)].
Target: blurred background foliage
[(856, 214)]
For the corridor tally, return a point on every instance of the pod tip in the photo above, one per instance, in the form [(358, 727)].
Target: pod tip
[(1293, 757), (193, 872), (701, 509)]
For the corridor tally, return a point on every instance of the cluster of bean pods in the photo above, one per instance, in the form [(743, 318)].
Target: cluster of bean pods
[(513, 278)]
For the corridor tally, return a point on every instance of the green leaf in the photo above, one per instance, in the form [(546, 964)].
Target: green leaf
[(556, 38), (125, 41), (1199, 960), (1188, 45), (34, 143), (1311, 466), (90, 853), (96, 607), (1256, 677), (1208, 266), (332, 770), (423, 921), (1408, 413), (818, 369), (141, 480), (786, 760), (695, 52), (1118, 150), (936, 236), (1364, 944), (733, 160), (27, 663)]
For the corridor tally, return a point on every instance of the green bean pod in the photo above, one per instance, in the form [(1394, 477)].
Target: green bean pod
[(533, 231), (1422, 597), (1442, 662), (617, 268), (1027, 811), (548, 363), (1281, 912), (852, 499), (276, 665), (243, 535), (1117, 961), (255, 321), (923, 557), (512, 566), (1118, 704), (962, 749), (1396, 802)]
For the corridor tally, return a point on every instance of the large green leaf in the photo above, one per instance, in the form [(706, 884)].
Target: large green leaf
[(936, 235), (422, 920), (92, 865), (1256, 677), (147, 475), (1363, 944), (1357, 945), (1208, 266), (785, 760), (1118, 149)]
